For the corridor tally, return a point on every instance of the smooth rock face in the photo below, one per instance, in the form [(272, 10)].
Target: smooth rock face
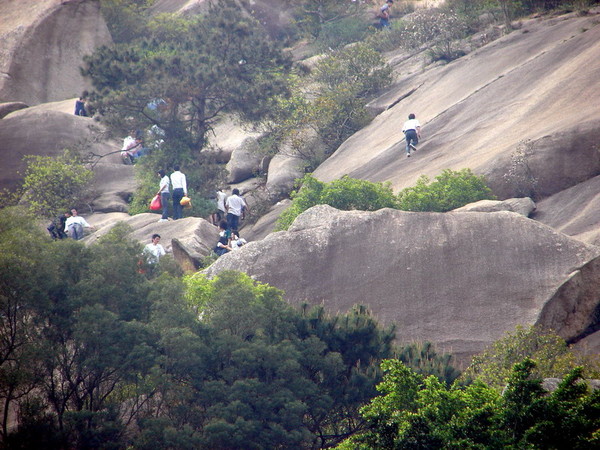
[(245, 161), (574, 211), (283, 172), (524, 206), (42, 44), (189, 239), (7, 108), (460, 280), (37, 131), (538, 83)]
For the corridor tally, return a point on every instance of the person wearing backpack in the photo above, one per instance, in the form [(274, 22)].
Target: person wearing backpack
[(384, 14)]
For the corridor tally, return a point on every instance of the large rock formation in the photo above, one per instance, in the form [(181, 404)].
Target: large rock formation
[(42, 44), (538, 83), (457, 279), (574, 211), (189, 239), (43, 131)]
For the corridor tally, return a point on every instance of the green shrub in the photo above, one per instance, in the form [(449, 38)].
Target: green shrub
[(55, 185), (341, 32), (436, 30), (551, 353), (345, 194), (450, 190)]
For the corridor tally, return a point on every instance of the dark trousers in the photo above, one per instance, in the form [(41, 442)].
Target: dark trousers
[(164, 201), (177, 208), (411, 138), (232, 222)]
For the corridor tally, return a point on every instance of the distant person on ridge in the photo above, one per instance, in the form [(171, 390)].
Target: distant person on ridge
[(80, 105), (384, 14), (412, 133), (179, 183)]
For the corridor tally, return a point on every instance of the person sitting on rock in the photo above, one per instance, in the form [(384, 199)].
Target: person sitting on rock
[(133, 147), (75, 224), (57, 227), (80, 105), (223, 245), (237, 242)]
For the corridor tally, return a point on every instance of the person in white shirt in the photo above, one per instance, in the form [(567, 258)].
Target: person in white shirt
[(179, 185), (163, 191), (153, 251), (412, 133), (220, 212), (75, 224), (235, 206)]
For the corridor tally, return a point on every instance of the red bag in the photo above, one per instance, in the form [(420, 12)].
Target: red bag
[(155, 204)]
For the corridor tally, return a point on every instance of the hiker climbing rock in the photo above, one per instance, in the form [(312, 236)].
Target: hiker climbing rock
[(384, 14), (412, 133)]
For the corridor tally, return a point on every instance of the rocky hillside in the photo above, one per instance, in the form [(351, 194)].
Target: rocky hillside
[(458, 279)]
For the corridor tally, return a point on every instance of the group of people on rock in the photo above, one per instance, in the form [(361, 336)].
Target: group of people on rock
[(178, 183), (70, 224)]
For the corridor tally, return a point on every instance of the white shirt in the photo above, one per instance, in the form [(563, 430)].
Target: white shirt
[(153, 252), (76, 219), (164, 184), (178, 181), (235, 203), (128, 142), (221, 196), (411, 124)]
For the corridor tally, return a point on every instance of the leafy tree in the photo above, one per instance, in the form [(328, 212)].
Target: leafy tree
[(126, 19), (313, 15), (551, 353), (417, 412), (345, 194), (194, 69), (54, 185), (328, 105), (284, 377), (450, 190)]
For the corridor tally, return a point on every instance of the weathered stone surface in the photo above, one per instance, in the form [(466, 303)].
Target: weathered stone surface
[(475, 112), (589, 345), (283, 172), (266, 224), (189, 239), (551, 384), (36, 131), (42, 44), (227, 135), (524, 206), (460, 280), (245, 161), (7, 108), (114, 185), (574, 211)]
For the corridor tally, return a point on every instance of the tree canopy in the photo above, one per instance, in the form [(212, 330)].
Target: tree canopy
[(185, 73)]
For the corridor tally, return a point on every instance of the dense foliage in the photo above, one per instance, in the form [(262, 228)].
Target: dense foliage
[(182, 76), (95, 352), (53, 185), (417, 412), (553, 356), (345, 194), (450, 190)]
